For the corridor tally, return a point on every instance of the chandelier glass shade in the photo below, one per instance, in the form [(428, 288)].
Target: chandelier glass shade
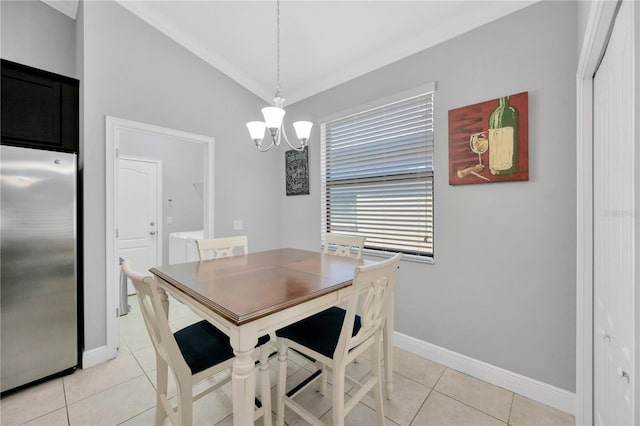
[(274, 115)]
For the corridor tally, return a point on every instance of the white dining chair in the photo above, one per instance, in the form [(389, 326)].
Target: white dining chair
[(193, 355), (335, 337), (222, 247), (344, 245)]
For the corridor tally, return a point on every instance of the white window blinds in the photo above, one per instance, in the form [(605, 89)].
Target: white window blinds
[(377, 176)]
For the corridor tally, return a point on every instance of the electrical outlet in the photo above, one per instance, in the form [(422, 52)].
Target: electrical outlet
[(237, 225), (169, 220)]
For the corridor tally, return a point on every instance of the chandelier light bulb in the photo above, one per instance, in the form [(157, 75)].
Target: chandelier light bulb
[(303, 130), (273, 118), (256, 130)]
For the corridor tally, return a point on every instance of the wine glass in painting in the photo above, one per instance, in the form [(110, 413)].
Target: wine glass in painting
[(479, 144)]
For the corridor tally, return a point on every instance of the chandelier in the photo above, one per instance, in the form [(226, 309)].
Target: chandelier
[(273, 115)]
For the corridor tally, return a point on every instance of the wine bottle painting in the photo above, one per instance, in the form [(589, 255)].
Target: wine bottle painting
[(488, 141)]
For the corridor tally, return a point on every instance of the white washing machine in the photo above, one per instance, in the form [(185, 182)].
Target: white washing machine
[(182, 246)]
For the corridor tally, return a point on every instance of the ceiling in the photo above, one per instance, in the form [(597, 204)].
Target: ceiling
[(323, 43)]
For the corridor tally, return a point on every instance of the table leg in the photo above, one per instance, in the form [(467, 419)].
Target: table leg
[(388, 352), (243, 382)]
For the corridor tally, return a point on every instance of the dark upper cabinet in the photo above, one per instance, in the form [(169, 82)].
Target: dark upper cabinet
[(39, 108)]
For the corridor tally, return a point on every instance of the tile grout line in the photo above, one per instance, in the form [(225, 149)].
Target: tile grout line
[(419, 383), (421, 406), (66, 403), (105, 389), (513, 396), (464, 403), (50, 412), (428, 395), (472, 407), (475, 408), (144, 373)]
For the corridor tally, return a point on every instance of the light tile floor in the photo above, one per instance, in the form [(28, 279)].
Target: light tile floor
[(122, 392)]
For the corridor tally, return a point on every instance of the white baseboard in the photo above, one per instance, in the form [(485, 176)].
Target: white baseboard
[(533, 389), (96, 356)]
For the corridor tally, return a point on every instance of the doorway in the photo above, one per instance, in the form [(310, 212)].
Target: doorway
[(118, 132)]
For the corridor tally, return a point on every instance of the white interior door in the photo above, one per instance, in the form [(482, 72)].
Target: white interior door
[(614, 189), (139, 211)]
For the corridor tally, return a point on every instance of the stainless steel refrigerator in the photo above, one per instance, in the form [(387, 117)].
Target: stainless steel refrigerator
[(38, 252)]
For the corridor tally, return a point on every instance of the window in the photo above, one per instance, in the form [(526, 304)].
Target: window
[(377, 175)]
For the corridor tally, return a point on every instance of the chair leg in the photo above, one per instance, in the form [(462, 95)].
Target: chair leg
[(322, 382), (265, 386), (377, 388), (282, 381), (162, 377), (160, 414), (387, 344), (162, 370), (338, 394), (185, 404)]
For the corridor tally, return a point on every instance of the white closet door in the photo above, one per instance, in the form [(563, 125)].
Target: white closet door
[(615, 261)]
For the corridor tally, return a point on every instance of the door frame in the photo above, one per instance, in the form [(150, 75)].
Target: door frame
[(114, 127), (598, 30), (159, 221)]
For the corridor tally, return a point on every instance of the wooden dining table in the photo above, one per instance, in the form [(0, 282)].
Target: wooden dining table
[(253, 295)]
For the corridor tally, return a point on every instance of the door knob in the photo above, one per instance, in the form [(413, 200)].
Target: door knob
[(152, 232), (622, 374), (605, 335)]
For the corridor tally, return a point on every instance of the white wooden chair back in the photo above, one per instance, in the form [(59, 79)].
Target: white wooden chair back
[(375, 284), (222, 247), (154, 307), (344, 245)]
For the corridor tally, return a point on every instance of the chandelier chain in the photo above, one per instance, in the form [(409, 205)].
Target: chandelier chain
[(278, 48), (273, 115)]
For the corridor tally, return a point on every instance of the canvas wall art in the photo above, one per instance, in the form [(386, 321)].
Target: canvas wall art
[(489, 141)]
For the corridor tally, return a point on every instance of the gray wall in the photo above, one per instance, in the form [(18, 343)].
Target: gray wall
[(132, 71), (37, 35), (182, 166), (502, 288)]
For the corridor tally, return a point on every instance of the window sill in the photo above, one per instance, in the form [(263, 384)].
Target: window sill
[(406, 257)]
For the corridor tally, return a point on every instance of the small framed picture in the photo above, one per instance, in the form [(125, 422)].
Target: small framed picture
[(297, 171)]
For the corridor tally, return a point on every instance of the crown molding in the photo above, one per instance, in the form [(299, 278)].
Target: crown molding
[(142, 11), (356, 68), (68, 7)]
